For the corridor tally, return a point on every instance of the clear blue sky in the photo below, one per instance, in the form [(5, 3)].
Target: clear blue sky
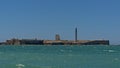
[(42, 19)]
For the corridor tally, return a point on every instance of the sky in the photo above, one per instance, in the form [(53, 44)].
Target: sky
[(42, 19)]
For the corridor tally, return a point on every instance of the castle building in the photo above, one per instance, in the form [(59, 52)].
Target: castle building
[(57, 37)]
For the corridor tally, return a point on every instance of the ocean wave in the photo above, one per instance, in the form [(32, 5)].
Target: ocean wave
[(20, 65), (1, 52), (110, 51), (62, 50)]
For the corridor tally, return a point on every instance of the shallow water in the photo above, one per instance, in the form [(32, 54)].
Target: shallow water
[(59, 56)]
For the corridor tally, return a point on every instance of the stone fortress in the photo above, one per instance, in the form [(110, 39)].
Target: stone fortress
[(57, 41)]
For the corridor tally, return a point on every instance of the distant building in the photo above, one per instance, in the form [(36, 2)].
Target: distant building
[(31, 42), (24, 42), (57, 37), (13, 42), (57, 41), (96, 42), (53, 42), (79, 42)]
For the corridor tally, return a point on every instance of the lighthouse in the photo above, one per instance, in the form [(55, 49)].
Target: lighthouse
[(75, 34)]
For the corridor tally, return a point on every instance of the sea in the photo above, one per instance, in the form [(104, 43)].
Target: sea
[(59, 56)]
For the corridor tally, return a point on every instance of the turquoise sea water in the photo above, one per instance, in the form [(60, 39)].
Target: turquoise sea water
[(59, 56)]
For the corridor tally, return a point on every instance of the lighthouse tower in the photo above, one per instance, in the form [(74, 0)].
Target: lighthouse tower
[(75, 34)]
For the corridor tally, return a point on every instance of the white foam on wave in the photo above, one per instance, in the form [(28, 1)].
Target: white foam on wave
[(111, 51), (70, 55), (46, 67), (62, 50), (116, 59), (20, 65)]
